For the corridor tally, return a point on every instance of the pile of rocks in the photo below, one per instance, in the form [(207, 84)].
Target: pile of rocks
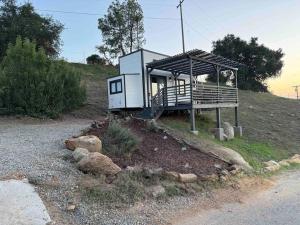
[(87, 154), (272, 165)]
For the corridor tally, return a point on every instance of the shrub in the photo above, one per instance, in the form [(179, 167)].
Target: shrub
[(118, 140), (35, 85)]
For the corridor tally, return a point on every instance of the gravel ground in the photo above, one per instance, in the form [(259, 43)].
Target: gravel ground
[(35, 149)]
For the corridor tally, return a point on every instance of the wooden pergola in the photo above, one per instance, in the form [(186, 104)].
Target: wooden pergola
[(195, 63)]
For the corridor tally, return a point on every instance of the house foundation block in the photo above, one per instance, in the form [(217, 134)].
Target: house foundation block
[(195, 132), (219, 133), (238, 131)]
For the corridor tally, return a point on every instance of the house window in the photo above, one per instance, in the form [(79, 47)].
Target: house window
[(115, 86), (181, 88)]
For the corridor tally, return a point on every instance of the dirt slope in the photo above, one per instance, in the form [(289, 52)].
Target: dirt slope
[(269, 119)]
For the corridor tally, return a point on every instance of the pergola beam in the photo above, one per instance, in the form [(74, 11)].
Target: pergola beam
[(213, 63)]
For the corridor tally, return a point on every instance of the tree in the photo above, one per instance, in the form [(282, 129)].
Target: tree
[(122, 29), (260, 62), (34, 84), (96, 59), (25, 22)]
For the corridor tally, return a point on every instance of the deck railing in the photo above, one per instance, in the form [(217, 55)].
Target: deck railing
[(212, 94), (203, 94)]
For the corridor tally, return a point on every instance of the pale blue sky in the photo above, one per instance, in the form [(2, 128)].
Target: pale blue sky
[(275, 22)]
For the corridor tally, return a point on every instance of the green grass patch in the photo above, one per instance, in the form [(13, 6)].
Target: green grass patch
[(253, 152), (96, 71)]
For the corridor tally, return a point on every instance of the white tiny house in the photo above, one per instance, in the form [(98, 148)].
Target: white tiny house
[(133, 89), (151, 83)]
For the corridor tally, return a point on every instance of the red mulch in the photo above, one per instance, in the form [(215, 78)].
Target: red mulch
[(169, 154)]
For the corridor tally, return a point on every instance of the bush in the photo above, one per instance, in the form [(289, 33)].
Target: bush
[(118, 140), (35, 85)]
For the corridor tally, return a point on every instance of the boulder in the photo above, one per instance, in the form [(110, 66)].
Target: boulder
[(80, 153), (187, 178), (90, 142), (228, 131), (294, 159), (98, 163), (284, 163), (272, 166)]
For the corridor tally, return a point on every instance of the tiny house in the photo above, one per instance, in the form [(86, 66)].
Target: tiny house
[(150, 83), (131, 89)]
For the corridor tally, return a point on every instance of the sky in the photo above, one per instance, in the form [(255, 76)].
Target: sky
[(276, 23)]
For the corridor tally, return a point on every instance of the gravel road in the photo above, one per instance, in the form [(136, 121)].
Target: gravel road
[(275, 206)]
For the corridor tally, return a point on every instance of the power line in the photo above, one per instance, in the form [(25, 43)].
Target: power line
[(98, 14)]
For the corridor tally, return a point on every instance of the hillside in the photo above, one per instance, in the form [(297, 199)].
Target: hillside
[(269, 119), (94, 77), (270, 122)]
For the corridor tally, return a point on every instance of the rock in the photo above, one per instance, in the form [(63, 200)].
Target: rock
[(212, 177), (294, 159), (187, 178), (224, 173), (71, 207), (224, 178), (156, 190), (79, 153), (228, 131), (98, 163), (271, 166), (90, 142), (284, 163), (172, 175), (271, 163), (187, 166), (134, 169), (234, 169)]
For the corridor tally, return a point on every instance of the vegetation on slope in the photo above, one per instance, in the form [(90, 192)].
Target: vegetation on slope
[(94, 77), (269, 124)]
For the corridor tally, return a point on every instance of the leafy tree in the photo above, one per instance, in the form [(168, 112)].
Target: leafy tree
[(260, 62), (122, 28), (25, 22), (96, 59), (33, 84)]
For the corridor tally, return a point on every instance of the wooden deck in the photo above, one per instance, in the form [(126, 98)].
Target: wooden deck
[(202, 96)]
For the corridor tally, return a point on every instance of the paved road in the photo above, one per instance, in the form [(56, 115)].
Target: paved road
[(279, 205)]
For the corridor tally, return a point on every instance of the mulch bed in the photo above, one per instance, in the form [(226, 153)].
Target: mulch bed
[(156, 149)]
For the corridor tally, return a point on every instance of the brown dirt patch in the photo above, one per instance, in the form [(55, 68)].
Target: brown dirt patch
[(159, 150)]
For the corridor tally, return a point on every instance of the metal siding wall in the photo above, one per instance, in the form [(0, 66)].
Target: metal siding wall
[(131, 64), (134, 91)]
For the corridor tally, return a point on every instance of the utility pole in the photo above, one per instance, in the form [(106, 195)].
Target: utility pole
[(182, 31), (297, 90)]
